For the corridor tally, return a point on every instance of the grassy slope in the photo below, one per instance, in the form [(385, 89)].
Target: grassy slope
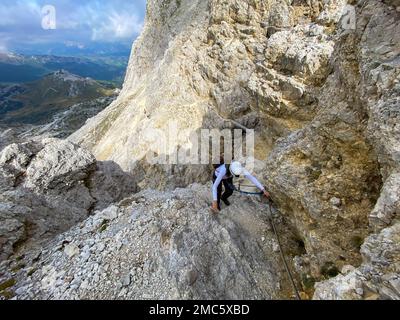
[(47, 97), (33, 68)]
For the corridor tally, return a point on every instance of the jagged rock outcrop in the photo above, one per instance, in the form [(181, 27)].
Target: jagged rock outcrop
[(323, 99), (378, 276), (378, 64), (161, 246), (322, 96), (49, 186)]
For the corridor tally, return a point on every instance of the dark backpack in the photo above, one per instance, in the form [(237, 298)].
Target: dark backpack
[(227, 167), (228, 171)]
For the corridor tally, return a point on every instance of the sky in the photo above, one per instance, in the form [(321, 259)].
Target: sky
[(69, 26)]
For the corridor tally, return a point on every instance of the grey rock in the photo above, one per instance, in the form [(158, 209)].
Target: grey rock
[(336, 202), (49, 186), (323, 102), (381, 253), (347, 269), (60, 164), (126, 280), (157, 261), (71, 250), (192, 277)]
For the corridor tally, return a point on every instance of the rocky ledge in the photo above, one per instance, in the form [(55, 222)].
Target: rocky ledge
[(159, 246)]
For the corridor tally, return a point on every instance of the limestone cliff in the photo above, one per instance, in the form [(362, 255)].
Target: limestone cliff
[(321, 93), (318, 81)]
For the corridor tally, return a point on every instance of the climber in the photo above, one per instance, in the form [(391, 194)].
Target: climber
[(223, 175)]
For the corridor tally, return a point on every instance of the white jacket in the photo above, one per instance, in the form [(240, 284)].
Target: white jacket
[(221, 174)]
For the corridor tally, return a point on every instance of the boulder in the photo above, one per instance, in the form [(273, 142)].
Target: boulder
[(48, 187)]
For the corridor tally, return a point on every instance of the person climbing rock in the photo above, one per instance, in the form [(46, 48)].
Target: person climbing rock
[(223, 175)]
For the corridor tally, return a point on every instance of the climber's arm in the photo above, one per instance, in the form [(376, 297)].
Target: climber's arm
[(257, 183), (217, 182), (253, 180)]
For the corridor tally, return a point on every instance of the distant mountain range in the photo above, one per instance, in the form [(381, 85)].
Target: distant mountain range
[(55, 105), (74, 49), (59, 125), (36, 102), (16, 68)]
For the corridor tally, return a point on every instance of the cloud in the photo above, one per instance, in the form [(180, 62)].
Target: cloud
[(78, 22), (3, 48), (19, 13), (117, 26)]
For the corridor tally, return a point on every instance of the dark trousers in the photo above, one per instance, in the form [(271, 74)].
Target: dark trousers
[(227, 192)]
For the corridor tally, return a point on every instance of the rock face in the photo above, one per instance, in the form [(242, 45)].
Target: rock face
[(319, 83), (376, 278), (49, 186), (160, 246)]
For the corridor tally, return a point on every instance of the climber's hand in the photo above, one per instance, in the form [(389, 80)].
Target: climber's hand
[(266, 194), (214, 206)]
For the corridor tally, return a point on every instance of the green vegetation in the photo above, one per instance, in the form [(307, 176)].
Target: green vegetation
[(308, 281), (18, 267), (329, 270), (357, 242), (40, 100), (6, 294), (20, 73), (7, 284), (26, 69), (112, 85), (31, 272), (20, 258), (313, 173), (104, 225)]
